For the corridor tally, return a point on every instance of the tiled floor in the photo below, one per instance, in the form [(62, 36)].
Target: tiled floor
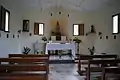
[(64, 72), (69, 72)]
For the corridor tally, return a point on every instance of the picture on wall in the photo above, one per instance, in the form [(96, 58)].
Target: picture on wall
[(26, 25)]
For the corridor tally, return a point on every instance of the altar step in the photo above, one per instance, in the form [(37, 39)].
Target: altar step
[(57, 57), (61, 61)]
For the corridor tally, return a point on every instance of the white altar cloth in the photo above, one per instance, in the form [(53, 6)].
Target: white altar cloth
[(59, 46)]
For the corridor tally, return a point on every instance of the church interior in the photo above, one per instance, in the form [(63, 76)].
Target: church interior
[(59, 40)]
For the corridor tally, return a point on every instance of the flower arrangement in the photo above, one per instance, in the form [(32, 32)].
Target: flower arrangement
[(77, 40), (44, 38)]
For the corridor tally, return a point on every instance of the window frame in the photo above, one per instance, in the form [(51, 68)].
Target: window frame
[(78, 30), (3, 19), (38, 29), (118, 23), (8, 21)]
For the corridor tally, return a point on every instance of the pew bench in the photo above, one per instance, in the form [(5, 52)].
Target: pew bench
[(83, 61), (105, 66), (27, 55), (22, 78), (22, 72), (19, 69)]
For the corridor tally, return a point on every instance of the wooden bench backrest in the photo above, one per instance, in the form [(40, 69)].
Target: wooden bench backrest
[(87, 57), (23, 64), (28, 55), (23, 78), (24, 60), (21, 67), (90, 57), (102, 64), (114, 61)]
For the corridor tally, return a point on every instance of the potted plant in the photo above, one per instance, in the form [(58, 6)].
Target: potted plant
[(78, 41), (92, 51), (44, 44), (41, 52), (44, 38), (26, 50)]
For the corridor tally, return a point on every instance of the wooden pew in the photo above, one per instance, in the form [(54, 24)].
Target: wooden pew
[(26, 60), (20, 72), (23, 78), (112, 67), (86, 58), (27, 55), (23, 69), (111, 70)]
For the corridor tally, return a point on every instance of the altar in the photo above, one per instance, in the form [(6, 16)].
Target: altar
[(61, 46)]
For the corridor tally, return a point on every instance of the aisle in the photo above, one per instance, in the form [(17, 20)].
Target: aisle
[(64, 72)]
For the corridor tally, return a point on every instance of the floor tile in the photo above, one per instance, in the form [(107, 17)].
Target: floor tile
[(64, 72)]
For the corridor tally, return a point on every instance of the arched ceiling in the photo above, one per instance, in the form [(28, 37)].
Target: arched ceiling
[(81, 5)]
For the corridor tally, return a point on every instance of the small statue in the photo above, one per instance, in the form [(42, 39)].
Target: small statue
[(93, 29), (92, 51)]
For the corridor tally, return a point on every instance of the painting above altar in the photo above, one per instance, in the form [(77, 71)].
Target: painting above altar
[(59, 27), (57, 32)]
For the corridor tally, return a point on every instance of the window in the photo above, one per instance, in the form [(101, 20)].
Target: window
[(39, 29), (5, 19), (78, 29), (115, 21)]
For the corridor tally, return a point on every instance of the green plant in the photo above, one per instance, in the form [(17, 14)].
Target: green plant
[(44, 38), (92, 51), (77, 40), (42, 52), (26, 50)]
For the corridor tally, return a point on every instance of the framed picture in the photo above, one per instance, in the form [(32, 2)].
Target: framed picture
[(26, 25)]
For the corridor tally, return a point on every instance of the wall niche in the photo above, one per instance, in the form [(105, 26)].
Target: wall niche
[(7, 35), (114, 36), (13, 36), (106, 37), (18, 36), (100, 37)]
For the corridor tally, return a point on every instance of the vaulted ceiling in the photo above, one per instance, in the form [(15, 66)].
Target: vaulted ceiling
[(82, 5)]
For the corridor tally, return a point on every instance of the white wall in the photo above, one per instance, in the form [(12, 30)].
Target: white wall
[(102, 19), (10, 45)]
